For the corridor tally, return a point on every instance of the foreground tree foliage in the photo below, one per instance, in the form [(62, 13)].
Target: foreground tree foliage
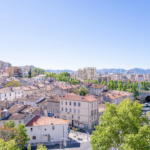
[(122, 127), (10, 132), (13, 84)]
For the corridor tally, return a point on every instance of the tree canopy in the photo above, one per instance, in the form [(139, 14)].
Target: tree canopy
[(95, 81), (63, 76), (10, 132), (83, 90), (122, 127), (51, 74), (13, 84), (38, 71)]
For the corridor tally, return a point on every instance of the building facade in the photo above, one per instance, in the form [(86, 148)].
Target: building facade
[(14, 71), (81, 111), (86, 73)]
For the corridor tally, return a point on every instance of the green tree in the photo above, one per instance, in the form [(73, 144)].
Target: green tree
[(41, 147), (124, 87), (136, 93), (9, 124), (102, 82), (29, 74), (11, 145), (118, 123), (13, 84), (38, 71), (137, 141), (63, 76), (22, 138), (128, 84), (83, 90), (10, 132), (95, 81)]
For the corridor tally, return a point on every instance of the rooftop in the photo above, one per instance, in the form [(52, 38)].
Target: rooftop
[(40, 121), (72, 96)]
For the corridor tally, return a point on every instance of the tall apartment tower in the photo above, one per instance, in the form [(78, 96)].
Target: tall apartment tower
[(86, 73)]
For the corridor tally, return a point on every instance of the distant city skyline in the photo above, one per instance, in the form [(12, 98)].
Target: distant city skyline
[(75, 34)]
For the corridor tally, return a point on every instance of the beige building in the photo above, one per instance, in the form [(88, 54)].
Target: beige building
[(86, 73), (51, 105), (28, 68), (115, 97), (116, 76), (81, 111), (14, 71)]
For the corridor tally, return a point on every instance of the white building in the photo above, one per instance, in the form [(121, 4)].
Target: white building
[(41, 77), (81, 111), (86, 73), (9, 93), (47, 129), (139, 78)]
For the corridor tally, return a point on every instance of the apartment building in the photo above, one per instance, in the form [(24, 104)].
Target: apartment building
[(81, 111), (97, 89), (14, 71), (86, 73), (9, 93), (51, 106), (3, 65), (115, 97), (28, 68), (139, 78), (116, 76)]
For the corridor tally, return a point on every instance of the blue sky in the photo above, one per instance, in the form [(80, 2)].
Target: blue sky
[(72, 34)]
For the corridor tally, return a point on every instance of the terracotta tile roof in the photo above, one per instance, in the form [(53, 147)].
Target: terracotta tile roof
[(49, 87), (26, 88), (72, 96), (17, 88), (15, 108), (53, 98), (33, 87), (17, 116), (5, 90), (116, 94), (31, 98), (30, 109), (39, 121), (96, 86), (41, 85), (87, 83)]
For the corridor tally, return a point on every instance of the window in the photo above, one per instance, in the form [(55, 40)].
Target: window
[(49, 109), (53, 128), (61, 108), (70, 110), (79, 104), (70, 103), (44, 107), (72, 116), (10, 94), (20, 122), (74, 103), (45, 129), (5, 95), (53, 104), (49, 103), (92, 105), (78, 111), (31, 129), (66, 109), (78, 117), (66, 103), (53, 110), (92, 113), (62, 102), (57, 110), (74, 110), (57, 104), (34, 137)]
